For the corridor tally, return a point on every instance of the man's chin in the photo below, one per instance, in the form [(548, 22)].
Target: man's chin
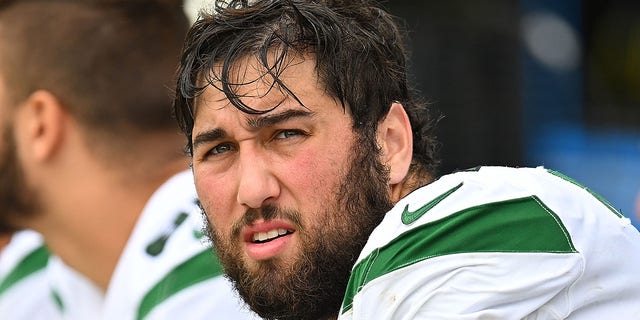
[(267, 268)]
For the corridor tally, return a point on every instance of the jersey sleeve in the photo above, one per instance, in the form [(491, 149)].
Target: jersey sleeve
[(499, 244), (501, 260), (468, 286)]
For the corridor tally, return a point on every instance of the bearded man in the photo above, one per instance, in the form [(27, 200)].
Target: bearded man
[(315, 166)]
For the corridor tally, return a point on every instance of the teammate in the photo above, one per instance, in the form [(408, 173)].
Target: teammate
[(315, 166), (91, 159)]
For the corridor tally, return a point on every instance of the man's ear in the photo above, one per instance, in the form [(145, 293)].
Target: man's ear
[(43, 125), (396, 140)]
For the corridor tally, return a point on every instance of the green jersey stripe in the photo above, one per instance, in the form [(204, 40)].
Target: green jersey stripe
[(200, 267), (517, 225), (33, 262)]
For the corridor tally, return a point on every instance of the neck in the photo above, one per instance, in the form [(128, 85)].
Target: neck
[(91, 239), (91, 209), (412, 182)]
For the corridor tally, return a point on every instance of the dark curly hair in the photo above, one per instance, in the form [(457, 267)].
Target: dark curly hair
[(358, 48)]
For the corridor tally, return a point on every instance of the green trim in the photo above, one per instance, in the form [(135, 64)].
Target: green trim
[(203, 266), (198, 234), (597, 196), (36, 260), (517, 225), (157, 246), (58, 300)]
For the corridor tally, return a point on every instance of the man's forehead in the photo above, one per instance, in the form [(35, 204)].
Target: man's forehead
[(213, 99), (220, 113), (249, 83)]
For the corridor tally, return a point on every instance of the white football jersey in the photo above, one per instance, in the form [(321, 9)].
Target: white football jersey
[(498, 243)]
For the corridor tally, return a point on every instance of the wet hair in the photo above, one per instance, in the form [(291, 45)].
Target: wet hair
[(111, 63), (357, 46)]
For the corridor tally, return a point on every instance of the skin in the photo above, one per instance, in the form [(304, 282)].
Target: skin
[(5, 158), (4, 240), (292, 157)]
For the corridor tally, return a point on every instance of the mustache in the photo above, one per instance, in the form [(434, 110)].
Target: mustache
[(267, 212)]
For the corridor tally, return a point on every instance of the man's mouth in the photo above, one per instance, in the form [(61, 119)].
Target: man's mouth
[(267, 239), (262, 237)]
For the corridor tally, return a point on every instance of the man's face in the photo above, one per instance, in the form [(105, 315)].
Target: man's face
[(291, 195), (14, 193)]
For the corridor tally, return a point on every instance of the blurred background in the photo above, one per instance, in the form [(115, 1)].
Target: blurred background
[(532, 82)]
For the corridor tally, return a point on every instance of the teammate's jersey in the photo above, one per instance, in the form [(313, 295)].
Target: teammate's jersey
[(24, 290), (498, 243), (164, 272)]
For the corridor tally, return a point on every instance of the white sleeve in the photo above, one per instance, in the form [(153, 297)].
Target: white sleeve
[(470, 286), (498, 244)]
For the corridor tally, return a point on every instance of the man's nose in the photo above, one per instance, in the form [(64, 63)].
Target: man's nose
[(257, 181)]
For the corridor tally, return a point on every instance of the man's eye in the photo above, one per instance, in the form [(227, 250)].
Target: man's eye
[(286, 134), (220, 149)]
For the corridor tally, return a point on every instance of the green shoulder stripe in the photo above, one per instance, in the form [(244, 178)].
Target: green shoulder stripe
[(200, 267), (33, 262), (517, 225)]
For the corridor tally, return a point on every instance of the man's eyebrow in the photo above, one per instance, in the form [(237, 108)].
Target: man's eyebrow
[(253, 123), (269, 120), (208, 136)]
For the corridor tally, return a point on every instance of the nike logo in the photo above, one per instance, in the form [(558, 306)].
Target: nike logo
[(409, 217)]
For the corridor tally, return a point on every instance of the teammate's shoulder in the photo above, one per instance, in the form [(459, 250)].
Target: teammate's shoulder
[(22, 264)]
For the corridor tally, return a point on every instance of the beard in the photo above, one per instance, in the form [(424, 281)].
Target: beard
[(15, 199), (313, 286)]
